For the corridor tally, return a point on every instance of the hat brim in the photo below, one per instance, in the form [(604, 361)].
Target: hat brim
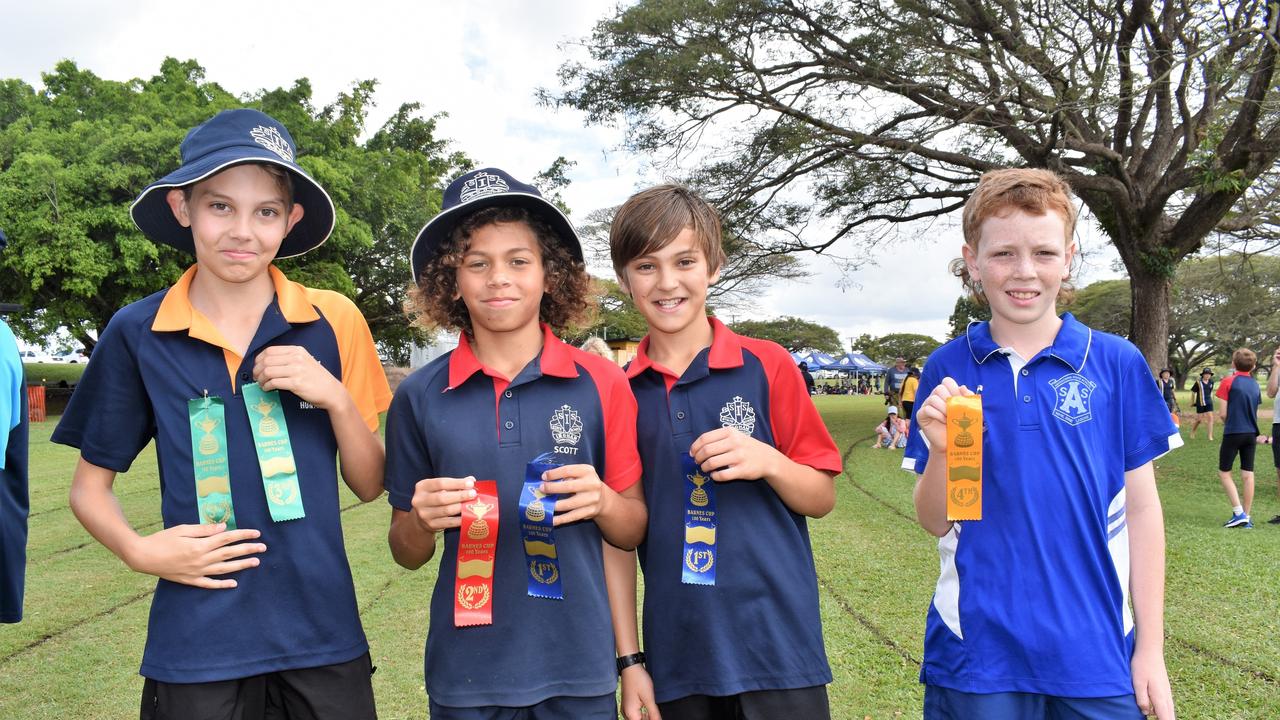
[(153, 216), (437, 231)]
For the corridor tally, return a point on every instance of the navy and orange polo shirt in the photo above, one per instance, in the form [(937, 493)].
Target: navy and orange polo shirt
[(14, 502), (454, 418), (298, 608), (758, 627)]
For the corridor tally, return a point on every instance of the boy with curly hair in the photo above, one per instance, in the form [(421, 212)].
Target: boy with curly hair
[(518, 450)]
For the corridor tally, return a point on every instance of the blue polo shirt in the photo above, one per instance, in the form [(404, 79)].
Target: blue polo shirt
[(14, 502), (454, 418), (1243, 397), (758, 627), (1035, 596), (298, 608)]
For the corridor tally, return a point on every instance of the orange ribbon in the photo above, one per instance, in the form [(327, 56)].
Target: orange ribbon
[(964, 457)]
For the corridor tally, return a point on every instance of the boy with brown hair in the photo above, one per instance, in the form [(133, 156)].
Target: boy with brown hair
[(250, 385), (1240, 396), (735, 458), (520, 449), (1031, 615)]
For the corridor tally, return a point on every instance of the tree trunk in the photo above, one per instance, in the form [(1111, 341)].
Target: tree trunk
[(1149, 326)]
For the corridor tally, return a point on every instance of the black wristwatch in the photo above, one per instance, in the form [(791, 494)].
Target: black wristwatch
[(627, 661)]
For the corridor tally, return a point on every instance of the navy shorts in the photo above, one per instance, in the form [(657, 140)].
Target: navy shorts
[(1244, 444), (809, 703), (603, 707), (343, 690), (946, 704)]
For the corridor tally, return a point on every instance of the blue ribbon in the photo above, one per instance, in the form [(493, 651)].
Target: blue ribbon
[(698, 561), (537, 514)]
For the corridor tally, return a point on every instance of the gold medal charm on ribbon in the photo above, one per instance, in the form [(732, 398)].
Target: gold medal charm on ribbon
[(537, 531), (964, 457), (477, 548), (275, 453), (698, 558), (209, 461)]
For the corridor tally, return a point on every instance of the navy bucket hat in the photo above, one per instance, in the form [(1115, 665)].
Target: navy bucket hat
[(479, 189), (234, 137)]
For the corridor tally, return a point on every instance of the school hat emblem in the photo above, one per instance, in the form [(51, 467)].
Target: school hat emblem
[(271, 139), (738, 414), (482, 184), (1073, 393)]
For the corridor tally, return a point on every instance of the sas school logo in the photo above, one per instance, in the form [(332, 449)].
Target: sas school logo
[(481, 185), (566, 430), (271, 139), (739, 415), (1072, 394)]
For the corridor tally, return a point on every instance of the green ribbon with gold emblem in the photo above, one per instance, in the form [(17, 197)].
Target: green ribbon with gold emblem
[(209, 460), (275, 453)]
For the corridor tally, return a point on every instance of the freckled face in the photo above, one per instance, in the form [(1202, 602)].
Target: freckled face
[(1021, 260)]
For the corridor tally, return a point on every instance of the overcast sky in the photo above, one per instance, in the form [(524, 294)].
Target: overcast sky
[(481, 63)]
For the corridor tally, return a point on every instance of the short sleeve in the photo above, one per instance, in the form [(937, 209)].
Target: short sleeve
[(12, 384), (617, 403), (1147, 427), (1224, 389), (362, 373), (109, 417), (916, 454), (798, 429), (408, 459)]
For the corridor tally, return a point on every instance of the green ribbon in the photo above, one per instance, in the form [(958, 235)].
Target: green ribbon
[(209, 460), (275, 453)]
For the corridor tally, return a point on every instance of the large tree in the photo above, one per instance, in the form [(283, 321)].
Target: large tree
[(75, 154), (1161, 115), (792, 333)]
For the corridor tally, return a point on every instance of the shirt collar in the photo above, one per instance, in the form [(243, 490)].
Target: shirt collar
[(176, 312), (1071, 345), (726, 351), (555, 359)]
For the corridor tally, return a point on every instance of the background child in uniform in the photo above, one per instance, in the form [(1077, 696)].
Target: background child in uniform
[(1240, 396), (263, 615), (892, 432), (1202, 399), (729, 631), (496, 261), (1031, 617), (14, 500)]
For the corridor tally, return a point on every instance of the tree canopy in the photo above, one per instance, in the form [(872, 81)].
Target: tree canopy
[(912, 347), (792, 333), (860, 114), (75, 154)]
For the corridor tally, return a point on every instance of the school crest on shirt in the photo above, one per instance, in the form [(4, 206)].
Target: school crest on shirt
[(482, 184), (566, 430), (1072, 395), (271, 139), (738, 414)]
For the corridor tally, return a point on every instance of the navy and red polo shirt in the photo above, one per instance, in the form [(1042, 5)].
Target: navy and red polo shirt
[(758, 627), (298, 608), (1034, 597), (1243, 396), (454, 418), (14, 502)]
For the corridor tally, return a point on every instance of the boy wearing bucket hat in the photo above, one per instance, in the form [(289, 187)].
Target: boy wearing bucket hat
[(14, 501), (250, 385), (521, 450)]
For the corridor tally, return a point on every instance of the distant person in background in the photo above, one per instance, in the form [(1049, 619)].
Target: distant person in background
[(1240, 398), (14, 502), (1166, 389), (808, 378), (892, 433), (597, 346), (1273, 386), (908, 395), (893, 382), (1202, 398)]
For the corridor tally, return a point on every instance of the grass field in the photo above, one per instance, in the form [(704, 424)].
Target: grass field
[(76, 654), (52, 373)]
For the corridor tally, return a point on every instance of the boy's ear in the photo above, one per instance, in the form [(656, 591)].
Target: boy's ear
[(295, 214), (177, 200), (1071, 255), (970, 260), (622, 283), (715, 276)]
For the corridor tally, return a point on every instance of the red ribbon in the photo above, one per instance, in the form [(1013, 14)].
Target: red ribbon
[(477, 547)]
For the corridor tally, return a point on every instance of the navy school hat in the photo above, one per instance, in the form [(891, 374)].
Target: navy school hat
[(479, 189), (233, 137)]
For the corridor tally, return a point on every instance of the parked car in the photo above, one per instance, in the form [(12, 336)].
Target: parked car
[(75, 357), (35, 356)]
